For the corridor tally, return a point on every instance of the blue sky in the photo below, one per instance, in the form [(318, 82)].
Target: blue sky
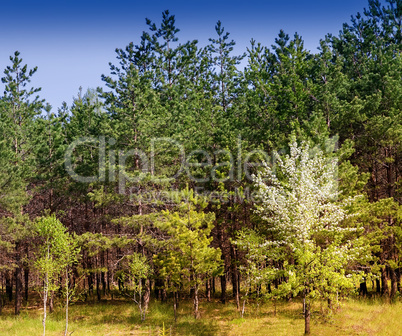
[(72, 41)]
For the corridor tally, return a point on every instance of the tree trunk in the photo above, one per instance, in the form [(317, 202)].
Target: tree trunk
[(307, 315), (378, 285), (223, 288), (384, 282), (51, 302), (103, 279), (235, 278), (67, 285), (196, 313), (147, 295), (45, 292), (192, 290), (98, 292), (175, 299), (2, 296), (394, 286), (163, 295), (363, 289), (26, 280), (208, 289), (9, 286), (17, 301)]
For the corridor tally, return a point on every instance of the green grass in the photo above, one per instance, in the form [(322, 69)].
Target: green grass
[(356, 317)]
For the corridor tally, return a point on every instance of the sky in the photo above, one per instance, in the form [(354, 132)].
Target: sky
[(71, 42)]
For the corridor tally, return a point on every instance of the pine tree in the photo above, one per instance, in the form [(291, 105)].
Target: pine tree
[(19, 108)]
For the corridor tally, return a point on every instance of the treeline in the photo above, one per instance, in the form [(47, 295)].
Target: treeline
[(152, 176)]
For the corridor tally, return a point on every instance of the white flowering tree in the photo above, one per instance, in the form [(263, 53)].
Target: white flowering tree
[(304, 219)]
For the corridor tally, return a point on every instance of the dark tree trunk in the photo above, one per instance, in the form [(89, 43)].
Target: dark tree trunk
[(192, 290), (363, 289), (108, 272), (223, 288), (18, 282), (158, 289), (384, 282), (102, 275), (104, 287), (235, 283), (26, 280), (91, 284), (378, 285), (26, 273), (9, 286), (394, 286), (98, 291)]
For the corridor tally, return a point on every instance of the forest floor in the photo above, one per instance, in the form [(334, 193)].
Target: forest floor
[(355, 317)]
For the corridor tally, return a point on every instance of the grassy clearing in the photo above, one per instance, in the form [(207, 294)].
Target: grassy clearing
[(356, 317)]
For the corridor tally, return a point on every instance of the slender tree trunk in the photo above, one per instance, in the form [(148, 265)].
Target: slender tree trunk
[(67, 285), (269, 289), (157, 289), (223, 288), (26, 282), (51, 302), (175, 305), (384, 282), (244, 307), (17, 302), (378, 285), (196, 304), (394, 286), (329, 304), (9, 286), (307, 315), (98, 292), (234, 272), (2, 295), (208, 289), (363, 289), (45, 291), (104, 288), (192, 290), (147, 295), (45, 294)]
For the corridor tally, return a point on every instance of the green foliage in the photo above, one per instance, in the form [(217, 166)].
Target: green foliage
[(322, 220), (187, 258), (18, 108), (56, 250), (304, 239)]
